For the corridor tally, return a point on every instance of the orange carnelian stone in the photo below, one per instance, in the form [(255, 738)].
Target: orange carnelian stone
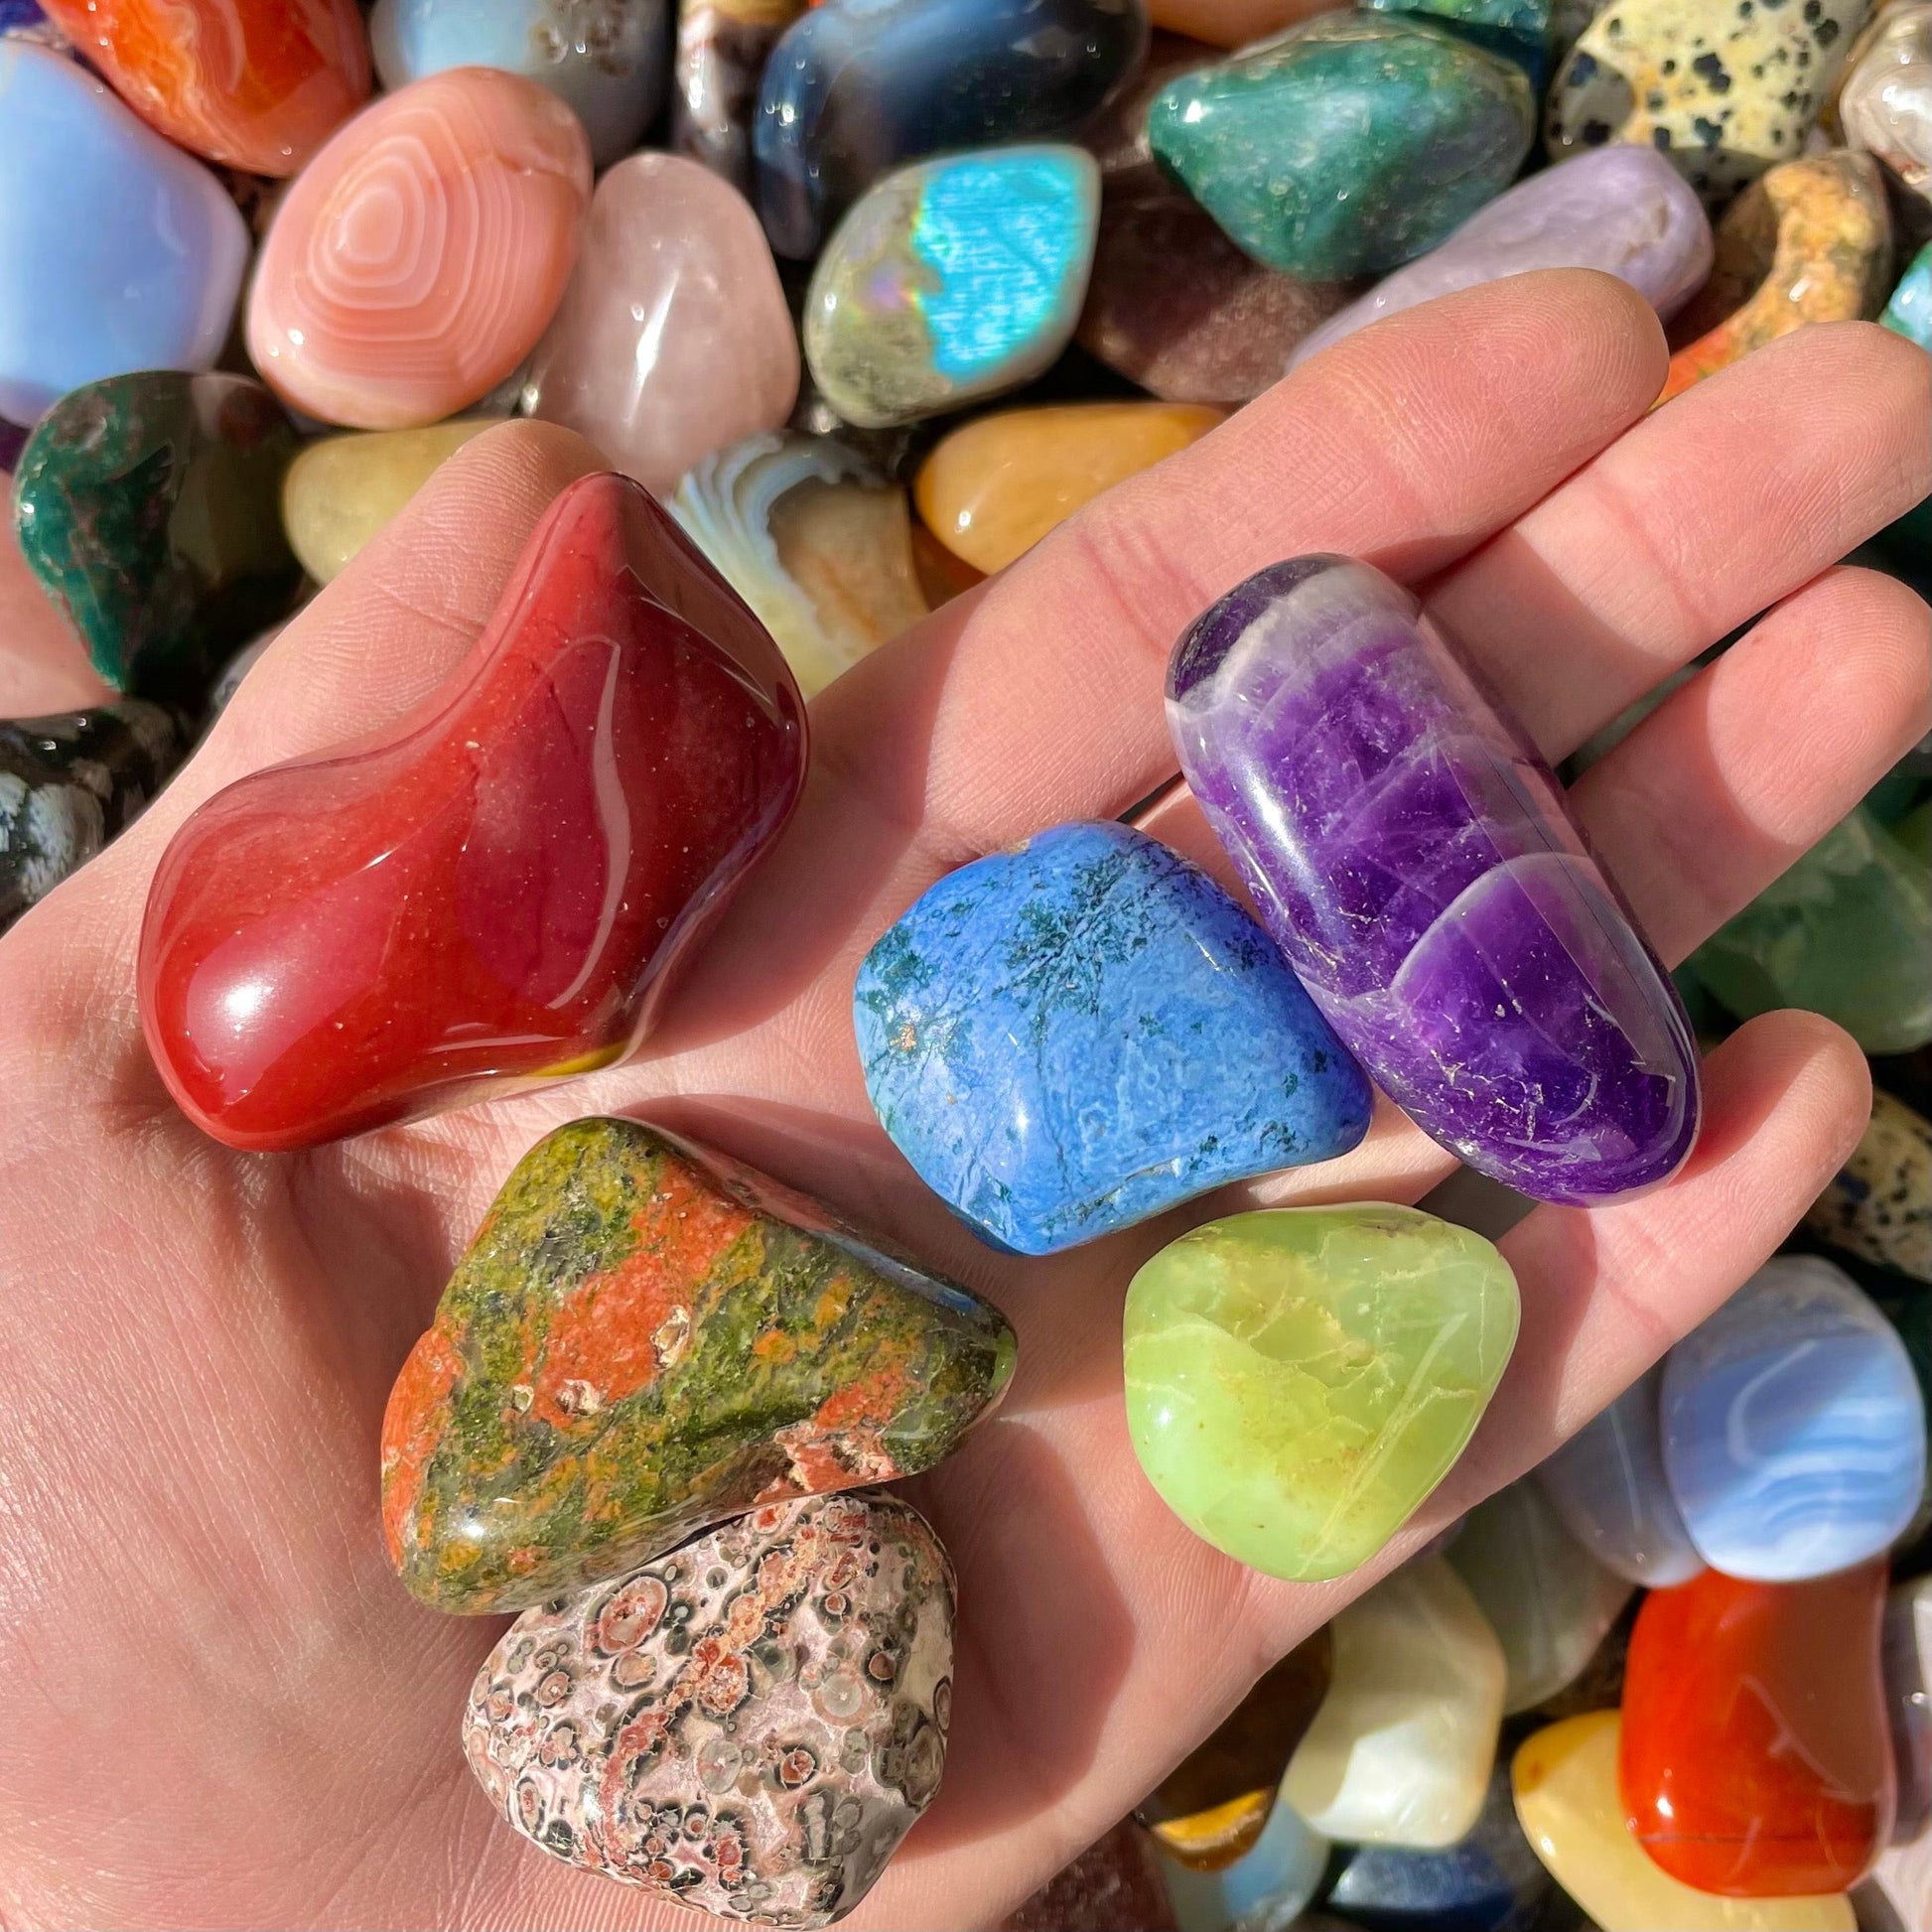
[(1755, 1760), (257, 84), (495, 892)]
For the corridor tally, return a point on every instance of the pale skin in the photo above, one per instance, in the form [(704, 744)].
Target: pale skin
[(218, 1706)]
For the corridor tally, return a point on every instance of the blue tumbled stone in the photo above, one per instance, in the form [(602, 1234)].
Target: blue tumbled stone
[(1794, 1431), (1071, 1037)]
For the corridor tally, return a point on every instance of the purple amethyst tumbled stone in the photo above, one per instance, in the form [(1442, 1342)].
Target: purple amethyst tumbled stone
[(1414, 859)]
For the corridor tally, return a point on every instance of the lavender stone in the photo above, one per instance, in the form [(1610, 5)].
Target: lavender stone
[(1621, 208), (1413, 858)]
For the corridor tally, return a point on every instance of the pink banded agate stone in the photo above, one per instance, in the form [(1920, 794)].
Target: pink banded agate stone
[(419, 257)]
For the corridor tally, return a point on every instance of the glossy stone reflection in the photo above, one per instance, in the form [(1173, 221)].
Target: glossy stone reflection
[(1300, 1379), (496, 891), (1416, 865), (722, 49), (148, 282), (1884, 104), (1266, 1886), (1906, 1655), (644, 1338), (856, 88), (415, 261), (1754, 1758), (1082, 1033), (785, 1684), (1794, 1430)]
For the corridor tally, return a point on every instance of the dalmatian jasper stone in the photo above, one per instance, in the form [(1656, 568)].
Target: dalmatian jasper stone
[(1724, 88), (748, 1726), (1880, 1205)]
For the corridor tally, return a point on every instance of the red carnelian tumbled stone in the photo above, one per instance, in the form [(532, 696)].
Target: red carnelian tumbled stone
[(1755, 1760), (493, 892)]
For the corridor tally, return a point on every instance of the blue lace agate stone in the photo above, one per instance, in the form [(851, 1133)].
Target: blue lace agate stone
[(1073, 1035), (118, 251), (1794, 1431), (1415, 860), (1267, 1885), (1608, 1484), (855, 88)]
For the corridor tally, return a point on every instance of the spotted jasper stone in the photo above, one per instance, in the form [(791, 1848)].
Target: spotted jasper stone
[(748, 1725), (1880, 1205), (1724, 88)]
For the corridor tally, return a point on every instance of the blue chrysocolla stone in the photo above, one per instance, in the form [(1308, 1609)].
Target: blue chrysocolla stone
[(1073, 1035), (857, 86)]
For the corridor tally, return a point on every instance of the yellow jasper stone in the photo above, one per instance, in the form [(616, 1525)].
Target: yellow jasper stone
[(1570, 1809), (991, 489), (340, 491), (1300, 1378)]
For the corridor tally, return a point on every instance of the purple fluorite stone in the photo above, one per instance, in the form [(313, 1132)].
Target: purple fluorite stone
[(1621, 208), (1414, 859)]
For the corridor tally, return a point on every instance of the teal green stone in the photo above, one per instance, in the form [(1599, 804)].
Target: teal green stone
[(149, 507), (1347, 144), (1300, 1379), (1908, 312), (1519, 30), (1846, 933)]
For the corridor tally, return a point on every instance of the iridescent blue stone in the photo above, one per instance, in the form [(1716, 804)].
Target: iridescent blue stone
[(857, 86), (1073, 1035), (118, 251), (1794, 1431)]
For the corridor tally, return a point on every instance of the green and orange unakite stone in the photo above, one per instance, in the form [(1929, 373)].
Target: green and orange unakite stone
[(645, 1338)]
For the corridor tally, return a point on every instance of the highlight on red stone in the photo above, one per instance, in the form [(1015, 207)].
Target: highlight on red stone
[(500, 889), (645, 1338)]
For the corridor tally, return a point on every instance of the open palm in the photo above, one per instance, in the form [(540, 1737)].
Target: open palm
[(216, 1704)]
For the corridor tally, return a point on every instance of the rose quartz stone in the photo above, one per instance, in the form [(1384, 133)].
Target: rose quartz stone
[(43, 665), (673, 338), (416, 261)]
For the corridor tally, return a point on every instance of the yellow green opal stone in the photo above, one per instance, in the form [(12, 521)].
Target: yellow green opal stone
[(1300, 1379)]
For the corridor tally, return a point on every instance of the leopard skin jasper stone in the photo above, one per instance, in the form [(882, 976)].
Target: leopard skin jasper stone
[(646, 1338), (1880, 1205)]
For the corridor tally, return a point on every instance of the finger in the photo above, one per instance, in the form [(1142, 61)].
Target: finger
[(1702, 515)]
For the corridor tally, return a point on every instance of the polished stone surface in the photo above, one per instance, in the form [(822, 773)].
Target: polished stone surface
[(342, 489), (1212, 1807), (1608, 1484), (1489, 1881), (1906, 1655), (1724, 91), (1908, 309), (68, 784), (43, 665), (1548, 1600), (747, 1727), (1754, 1758), (259, 84), (1233, 22), (673, 338), (494, 893), (1624, 211), (645, 1338), (1262, 1890), (1348, 144), (857, 87), (1884, 101), (1423, 878), (415, 261), (814, 540), (1401, 1750), (605, 59), (1519, 30), (1300, 1379), (952, 281), (1569, 1806), (991, 489), (1844, 933), (148, 282), (1879, 1207), (1808, 241), (1082, 1033), (146, 505), (722, 49), (1793, 1426)]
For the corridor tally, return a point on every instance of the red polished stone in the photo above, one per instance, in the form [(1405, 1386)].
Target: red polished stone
[(1755, 1760), (498, 890)]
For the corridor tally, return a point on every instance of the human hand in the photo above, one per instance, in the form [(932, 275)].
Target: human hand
[(218, 1706)]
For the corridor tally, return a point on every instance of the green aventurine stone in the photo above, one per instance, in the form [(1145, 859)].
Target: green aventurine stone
[(1846, 933), (1300, 1379), (150, 508), (1347, 144), (645, 1338)]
